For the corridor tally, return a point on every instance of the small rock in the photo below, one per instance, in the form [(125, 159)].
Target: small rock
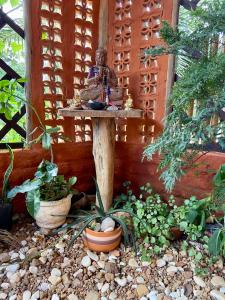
[(153, 295), (101, 264), (24, 243), (105, 288), (86, 261), (168, 257), (44, 287), (5, 285), (140, 280), (121, 281), (72, 297), (14, 278), (188, 289), (113, 296), (199, 281), (133, 263), (109, 277), (35, 296), (78, 273), (3, 295), (111, 268), (4, 257), (115, 253), (26, 295), (66, 262), (54, 280), (92, 295), (13, 268), (108, 223), (171, 270), (92, 255), (13, 297), (33, 270), (92, 269), (217, 295), (218, 282), (160, 263), (56, 272), (55, 297), (142, 290)]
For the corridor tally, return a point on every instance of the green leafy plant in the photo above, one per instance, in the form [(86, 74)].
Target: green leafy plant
[(216, 243), (47, 185), (87, 218), (5, 185), (218, 193), (202, 85)]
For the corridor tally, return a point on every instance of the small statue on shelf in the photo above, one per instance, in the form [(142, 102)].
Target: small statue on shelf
[(128, 105), (102, 83), (75, 103)]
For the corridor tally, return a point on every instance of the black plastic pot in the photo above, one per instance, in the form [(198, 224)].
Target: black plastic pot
[(6, 216)]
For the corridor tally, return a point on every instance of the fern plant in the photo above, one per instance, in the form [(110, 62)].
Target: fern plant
[(202, 83)]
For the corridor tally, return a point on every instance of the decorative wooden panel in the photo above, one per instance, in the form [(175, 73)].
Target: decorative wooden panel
[(134, 27), (69, 31)]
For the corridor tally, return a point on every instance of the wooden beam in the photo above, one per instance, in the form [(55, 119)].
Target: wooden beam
[(172, 59), (103, 23)]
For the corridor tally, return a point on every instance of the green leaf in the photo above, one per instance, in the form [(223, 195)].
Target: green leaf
[(33, 202), (215, 242), (53, 130), (14, 2), (27, 186), (16, 47), (2, 2), (72, 180), (46, 141), (7, 174)]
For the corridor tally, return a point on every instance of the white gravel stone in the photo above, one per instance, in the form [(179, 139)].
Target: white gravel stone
[(218, 281), (5, 285), (55, 297), (133, 263), (113, 296), (105, 288), (3, 295), (12, 268), (14, 278), (216, 295), (86, 261), (168, 257), (160, 263), (171, 270), (72, 297), (77, 273), (108, 223), (199, 281), (35, 296), (121, 281), (4, 257), (56, 272), (26, 295), (44, 287), (24, 243), (54, 280), (140, 280), (13, 297), (33, 270), (92, 269), (92, 255)]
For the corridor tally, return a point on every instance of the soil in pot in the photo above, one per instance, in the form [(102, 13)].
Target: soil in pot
[(102, 241), (6, 216)]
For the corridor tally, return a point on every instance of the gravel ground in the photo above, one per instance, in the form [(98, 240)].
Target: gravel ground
[(78, 274)]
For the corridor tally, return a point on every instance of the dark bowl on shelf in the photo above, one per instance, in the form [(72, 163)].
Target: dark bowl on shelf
[(97, 105)]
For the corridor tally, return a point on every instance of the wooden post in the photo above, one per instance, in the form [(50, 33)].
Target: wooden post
[(103, 23), (103, 151)]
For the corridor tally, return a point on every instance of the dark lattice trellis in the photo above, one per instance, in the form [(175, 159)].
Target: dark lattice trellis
[(11, 74)]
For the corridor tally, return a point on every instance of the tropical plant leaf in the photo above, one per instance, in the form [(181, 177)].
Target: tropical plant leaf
[(99, 198), (72, 180), (27, 186), (33, 202), (125, 230), (46, 141), (215, 242), (7, 174)]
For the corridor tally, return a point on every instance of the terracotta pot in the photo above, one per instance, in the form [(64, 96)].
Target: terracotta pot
[(176, 232), (53, 214), (102, 241)]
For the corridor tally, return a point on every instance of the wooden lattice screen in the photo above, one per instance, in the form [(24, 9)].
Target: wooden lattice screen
[(134, 27), (10, 73)]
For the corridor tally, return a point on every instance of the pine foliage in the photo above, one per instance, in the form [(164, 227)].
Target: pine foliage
[(202, 84)]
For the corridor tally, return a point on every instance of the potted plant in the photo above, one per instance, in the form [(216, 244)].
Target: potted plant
[(102, 230), (5, 203), (48, 195)]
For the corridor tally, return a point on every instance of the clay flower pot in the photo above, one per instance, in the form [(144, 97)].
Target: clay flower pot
[(102, 241), (53, 214)]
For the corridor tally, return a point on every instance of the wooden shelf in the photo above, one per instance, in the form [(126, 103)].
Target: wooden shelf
[(89, 113)]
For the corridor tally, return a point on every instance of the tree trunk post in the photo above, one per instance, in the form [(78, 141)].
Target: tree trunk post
[(104, 154)]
